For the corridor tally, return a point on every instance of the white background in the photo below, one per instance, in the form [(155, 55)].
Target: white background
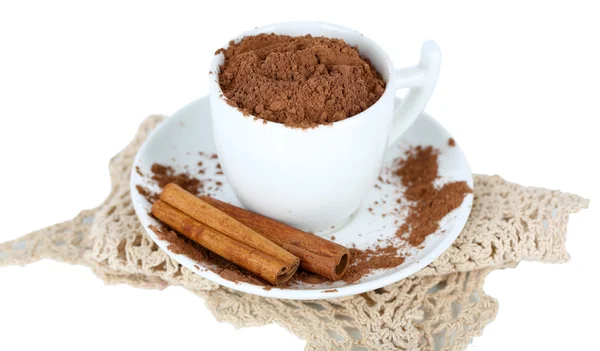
[(518, 89)]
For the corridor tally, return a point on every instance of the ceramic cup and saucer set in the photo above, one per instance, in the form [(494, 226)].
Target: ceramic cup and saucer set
[(321, 180)]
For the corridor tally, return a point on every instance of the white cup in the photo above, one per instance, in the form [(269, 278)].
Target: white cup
[(316, 178)]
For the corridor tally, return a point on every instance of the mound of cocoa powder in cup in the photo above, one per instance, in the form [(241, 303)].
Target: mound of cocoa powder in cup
[(298, 81)]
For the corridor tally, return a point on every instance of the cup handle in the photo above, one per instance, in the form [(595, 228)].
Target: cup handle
[(421, 80)]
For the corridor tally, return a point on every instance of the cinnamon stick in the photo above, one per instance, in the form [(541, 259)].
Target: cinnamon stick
[(220, 221), (317, 255), (269, 268)]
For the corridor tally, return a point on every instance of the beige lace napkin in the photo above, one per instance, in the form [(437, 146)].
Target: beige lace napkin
[(440, 308)]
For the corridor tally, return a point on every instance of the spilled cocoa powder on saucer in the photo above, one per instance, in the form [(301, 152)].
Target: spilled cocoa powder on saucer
[(363, 261), (162, 175), (300, 82), (429, 204)]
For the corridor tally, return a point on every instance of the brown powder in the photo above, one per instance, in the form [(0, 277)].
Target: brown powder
[(451, 142), (307, 278), (150, 196), (236, 274), (164, 175), (429, 204), (298, 81), (364, 262), (180, 245)]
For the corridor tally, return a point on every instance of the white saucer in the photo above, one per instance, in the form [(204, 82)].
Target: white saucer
[(179, 140)]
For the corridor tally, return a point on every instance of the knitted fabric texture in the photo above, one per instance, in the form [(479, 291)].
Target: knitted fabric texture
[(442, 307)]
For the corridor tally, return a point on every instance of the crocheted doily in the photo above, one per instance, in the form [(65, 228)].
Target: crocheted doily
[(440, 308)]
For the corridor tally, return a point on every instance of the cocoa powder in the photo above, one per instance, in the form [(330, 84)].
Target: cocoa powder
[(162, 175), (429, 204), (363, 261), (298, 81), (366, 261), (180, 245), (149, 195)]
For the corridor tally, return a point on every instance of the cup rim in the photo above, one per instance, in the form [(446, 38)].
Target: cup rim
[(215, 68)]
